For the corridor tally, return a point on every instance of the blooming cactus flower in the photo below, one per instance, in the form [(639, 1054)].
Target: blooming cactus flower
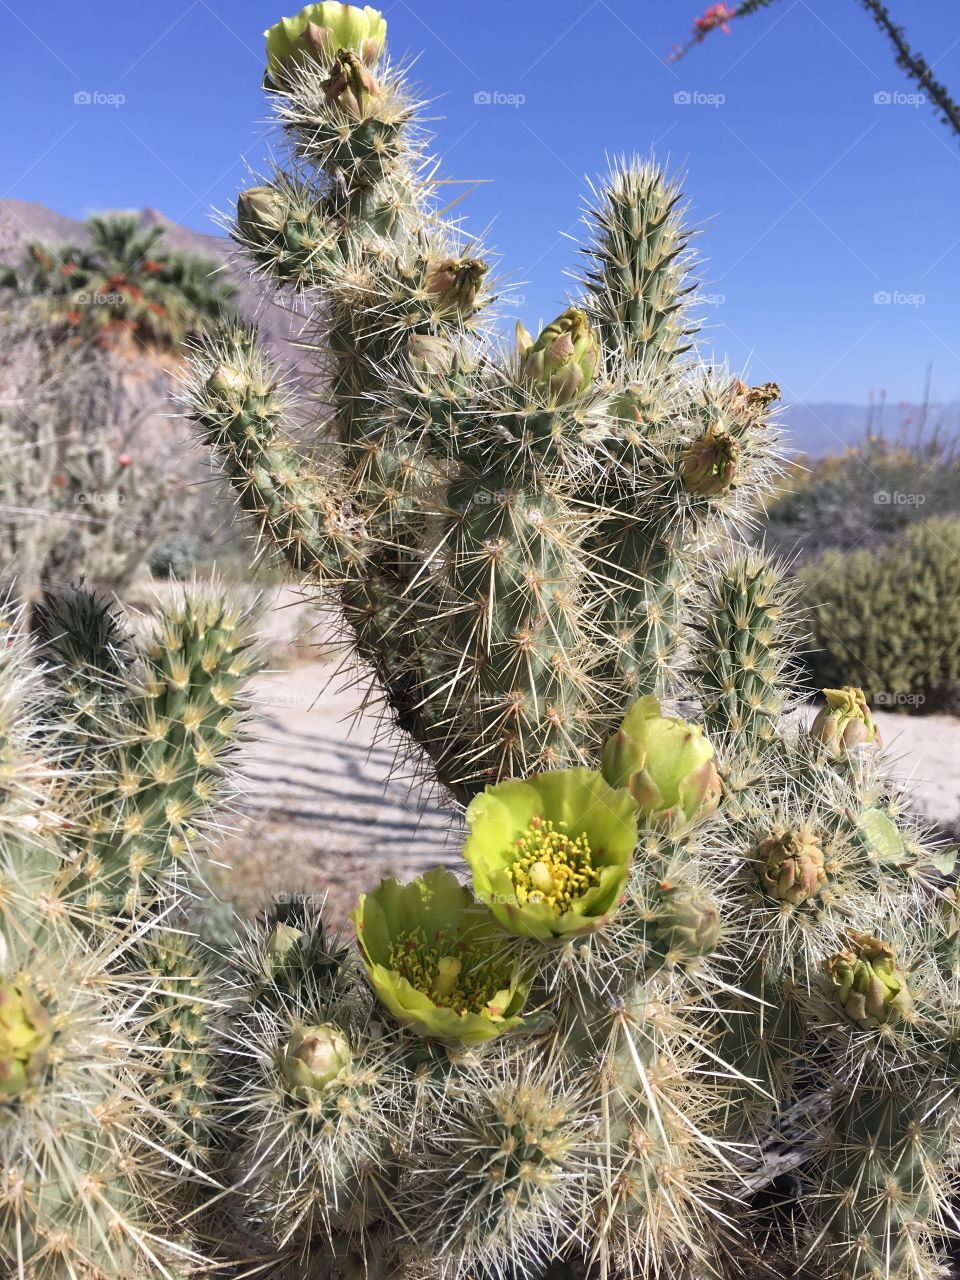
[(550, 854), (665, 763), (315, 1060), (25, 1036), (433, 957), (869, 987), (845, 721), (792, 866), (319, 31), (563, 360)]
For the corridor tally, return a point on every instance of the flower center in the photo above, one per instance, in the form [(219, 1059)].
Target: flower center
[(453, 974), (552, 866)]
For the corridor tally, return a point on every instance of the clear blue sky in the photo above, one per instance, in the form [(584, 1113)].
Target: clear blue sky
[(813, 196)]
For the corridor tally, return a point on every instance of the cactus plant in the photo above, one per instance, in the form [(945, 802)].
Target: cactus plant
[(540, 553), (688, 917), (84, 488)]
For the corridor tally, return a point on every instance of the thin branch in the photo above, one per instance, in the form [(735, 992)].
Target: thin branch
[(913, 64)]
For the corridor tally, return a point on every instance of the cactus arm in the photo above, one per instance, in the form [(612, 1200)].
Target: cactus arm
[(638, 290)]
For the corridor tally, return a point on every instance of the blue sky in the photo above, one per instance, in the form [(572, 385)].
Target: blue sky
[(814, 196)]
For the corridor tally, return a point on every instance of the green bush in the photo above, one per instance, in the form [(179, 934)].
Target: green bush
[(889, 620)]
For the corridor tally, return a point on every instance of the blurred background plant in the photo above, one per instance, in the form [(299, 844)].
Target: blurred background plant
[(97, 481), (872, 491), (873, 533), (123, 287), (887, 618)]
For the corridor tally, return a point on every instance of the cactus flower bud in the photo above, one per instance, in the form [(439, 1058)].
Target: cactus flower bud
[(260, 213), (283, 939), (454, 283), (563, 360), (665, 763), (350, 84), (792, 866), (845, 721), (708, 466), (319, 31), (869, 987), (429, 355), (25, 1036), (226, 380), (315, 1059), (687, 922)]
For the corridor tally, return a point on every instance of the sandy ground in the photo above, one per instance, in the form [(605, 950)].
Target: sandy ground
[(330, 809)]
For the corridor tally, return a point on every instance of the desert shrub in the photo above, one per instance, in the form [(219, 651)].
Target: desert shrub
[(888, 618), (869, 494)]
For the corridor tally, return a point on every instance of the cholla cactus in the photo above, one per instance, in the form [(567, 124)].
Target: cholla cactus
[(579, 1054), (688, 913), (513, 537), (101, 1023)]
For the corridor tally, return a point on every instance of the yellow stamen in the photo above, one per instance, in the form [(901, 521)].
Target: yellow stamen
[(552, 866)]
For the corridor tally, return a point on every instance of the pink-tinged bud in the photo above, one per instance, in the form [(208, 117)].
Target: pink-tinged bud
[(708, 466), (845, 722)]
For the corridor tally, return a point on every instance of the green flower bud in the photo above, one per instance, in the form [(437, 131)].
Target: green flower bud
[(454, 283), (226, 380), (688, 922), (429, 355), (283, 939), (260, 214), (792, 866), (319, 31), (665, 763), (315, 1060), (25, 1037), (550, 855), (350, 84), (868, 986), (436, 962), (845, 721), (562, 362), (708, 466)]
